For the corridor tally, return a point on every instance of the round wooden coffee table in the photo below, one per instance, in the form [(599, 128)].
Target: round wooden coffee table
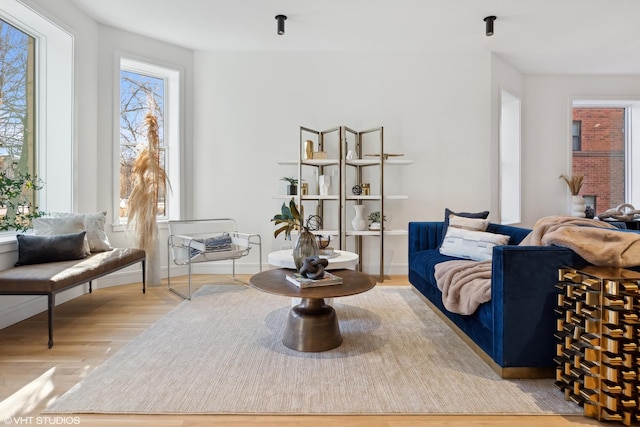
[(312, 325)]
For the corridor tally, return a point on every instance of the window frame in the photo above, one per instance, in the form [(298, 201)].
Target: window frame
[(172, 130), (631, 105), (54, 137)]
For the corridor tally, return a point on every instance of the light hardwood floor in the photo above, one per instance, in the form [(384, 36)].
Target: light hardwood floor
[(91, 328)]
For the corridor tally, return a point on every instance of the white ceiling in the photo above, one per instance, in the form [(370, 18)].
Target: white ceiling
[(536, 36)]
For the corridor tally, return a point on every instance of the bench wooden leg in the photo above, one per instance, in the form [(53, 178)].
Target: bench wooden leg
[(51, 298), (144, 283), (90, 287)]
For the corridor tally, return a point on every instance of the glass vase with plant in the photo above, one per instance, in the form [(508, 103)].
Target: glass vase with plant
[(289, 219)]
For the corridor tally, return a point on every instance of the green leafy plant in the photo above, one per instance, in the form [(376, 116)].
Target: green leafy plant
[(16, 194), (289, 219), (375, 216), (292, 181)]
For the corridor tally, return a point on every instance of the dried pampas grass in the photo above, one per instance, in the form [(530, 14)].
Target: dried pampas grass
[(574, 183), (148, 178)]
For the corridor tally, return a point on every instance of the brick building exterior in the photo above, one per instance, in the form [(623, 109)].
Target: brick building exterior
[(599, 154)]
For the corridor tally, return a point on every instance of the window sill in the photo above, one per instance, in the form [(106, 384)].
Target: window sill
[(8, 243)]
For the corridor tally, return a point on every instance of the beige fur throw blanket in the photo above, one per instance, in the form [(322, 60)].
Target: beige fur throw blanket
[(464, 284), (596, 241)]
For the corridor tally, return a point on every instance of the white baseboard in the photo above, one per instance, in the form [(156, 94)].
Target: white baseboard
[(27, 306)]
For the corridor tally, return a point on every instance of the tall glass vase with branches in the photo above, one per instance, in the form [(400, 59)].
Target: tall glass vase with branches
[(149, 180)]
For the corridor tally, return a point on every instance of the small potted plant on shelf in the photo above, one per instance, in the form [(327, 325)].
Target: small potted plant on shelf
[(376, 220), (292, 188)]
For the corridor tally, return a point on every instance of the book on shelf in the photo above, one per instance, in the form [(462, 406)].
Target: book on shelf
[(304, 282)]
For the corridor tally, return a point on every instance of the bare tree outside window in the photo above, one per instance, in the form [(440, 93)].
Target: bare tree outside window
[(139, 93), (18, 186)]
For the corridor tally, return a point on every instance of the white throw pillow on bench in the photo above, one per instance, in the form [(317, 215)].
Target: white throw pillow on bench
[(64, 223)]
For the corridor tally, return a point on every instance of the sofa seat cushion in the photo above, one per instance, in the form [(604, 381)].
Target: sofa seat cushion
[(54, 276), (424, 262)]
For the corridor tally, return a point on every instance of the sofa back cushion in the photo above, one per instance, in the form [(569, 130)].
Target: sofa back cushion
[(517, 233)]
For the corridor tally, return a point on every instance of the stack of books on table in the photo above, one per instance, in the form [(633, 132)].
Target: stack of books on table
[(304, 282)]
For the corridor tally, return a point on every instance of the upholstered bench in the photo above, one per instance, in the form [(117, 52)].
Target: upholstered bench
[(52, 277)]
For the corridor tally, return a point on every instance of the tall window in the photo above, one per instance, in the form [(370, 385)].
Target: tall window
[(510, 143), (17, 114), (148, 89), (602, 157)]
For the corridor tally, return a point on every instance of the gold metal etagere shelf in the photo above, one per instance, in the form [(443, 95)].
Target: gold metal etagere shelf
[(348, 157)]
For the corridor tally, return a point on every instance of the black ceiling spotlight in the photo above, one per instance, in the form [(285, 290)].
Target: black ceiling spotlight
[(281, 19), (489, 25)]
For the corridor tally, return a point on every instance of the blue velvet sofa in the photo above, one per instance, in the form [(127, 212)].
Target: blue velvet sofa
[(514, 332)]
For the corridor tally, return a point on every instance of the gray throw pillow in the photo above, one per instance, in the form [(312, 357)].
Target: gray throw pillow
[(34, 249)]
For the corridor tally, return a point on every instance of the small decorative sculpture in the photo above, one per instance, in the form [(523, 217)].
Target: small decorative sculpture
[(623, 212), (313, 267), (589, 212)]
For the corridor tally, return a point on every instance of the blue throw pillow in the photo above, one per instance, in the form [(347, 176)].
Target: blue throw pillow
[(35, 249), (448, 212)]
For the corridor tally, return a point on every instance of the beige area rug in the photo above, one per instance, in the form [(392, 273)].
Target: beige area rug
[(221, 353)]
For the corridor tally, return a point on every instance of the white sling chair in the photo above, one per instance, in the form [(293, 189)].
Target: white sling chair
[(205, 240)]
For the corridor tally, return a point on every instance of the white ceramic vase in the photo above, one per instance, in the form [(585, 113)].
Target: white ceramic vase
[(324, 184), (359, 223), (577, 206)]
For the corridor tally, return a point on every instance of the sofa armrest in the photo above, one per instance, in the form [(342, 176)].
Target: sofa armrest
[(524, 297), (424, 236)]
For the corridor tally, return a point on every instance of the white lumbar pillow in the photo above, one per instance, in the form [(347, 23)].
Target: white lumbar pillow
[(474, 245)]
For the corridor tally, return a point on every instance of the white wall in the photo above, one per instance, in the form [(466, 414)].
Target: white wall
[(434, 109), (547, 134)]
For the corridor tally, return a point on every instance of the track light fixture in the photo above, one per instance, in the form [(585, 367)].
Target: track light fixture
[(489, 25), (281, 19)]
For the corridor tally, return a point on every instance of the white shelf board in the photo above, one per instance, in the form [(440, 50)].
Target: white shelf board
[(376, 233), (320, 162), (363, 162), (318, 197), (377, 197), (361, 197), (398, 162), (288, 162)]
